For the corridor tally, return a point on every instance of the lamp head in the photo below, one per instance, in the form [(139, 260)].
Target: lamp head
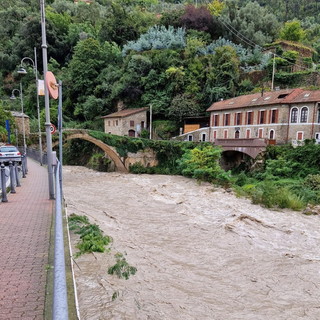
[(13, 97), (22, 71)]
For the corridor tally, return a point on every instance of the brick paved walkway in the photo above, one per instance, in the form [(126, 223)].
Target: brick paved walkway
[(25, 222)]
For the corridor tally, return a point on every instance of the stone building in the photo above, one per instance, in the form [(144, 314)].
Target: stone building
[(19, 118), (279, 117), (127, 122)]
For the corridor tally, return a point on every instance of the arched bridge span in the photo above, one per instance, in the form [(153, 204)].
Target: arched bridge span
[(251, 147), (110, 152)]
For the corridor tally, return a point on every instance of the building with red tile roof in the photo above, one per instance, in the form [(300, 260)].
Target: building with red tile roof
[(277, 117), (283, 116), (126, 122)]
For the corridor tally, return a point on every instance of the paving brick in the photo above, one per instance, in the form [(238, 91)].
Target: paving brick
[(25, 222)]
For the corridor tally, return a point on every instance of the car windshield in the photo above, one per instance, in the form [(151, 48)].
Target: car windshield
[(8, 149)]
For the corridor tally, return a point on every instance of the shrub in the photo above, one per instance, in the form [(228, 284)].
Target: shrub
[(202, 163), (99, 162), (91, 236), (122, 268)]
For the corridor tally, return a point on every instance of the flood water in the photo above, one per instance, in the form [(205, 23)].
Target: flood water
[(200, 252)]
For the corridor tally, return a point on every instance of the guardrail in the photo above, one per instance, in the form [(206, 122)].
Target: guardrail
[(60, 302)]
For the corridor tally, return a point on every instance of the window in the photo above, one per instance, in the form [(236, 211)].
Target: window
[(227, 119), (260, 134), (299, 135), (109, 123), (317, 136), (214, 134), (116, 122), (249, 117), (225, 134), (274, 116), (281, 96), (262, 116), (294, 115), (190, 137), (248, 133), (216, 120), (131, 123), (142, 124), (319, 115), (271, 134), (304, 115), (203, 137), (238, 119), (237, 134)]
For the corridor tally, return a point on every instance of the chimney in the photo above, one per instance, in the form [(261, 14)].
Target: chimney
[(120, 105)]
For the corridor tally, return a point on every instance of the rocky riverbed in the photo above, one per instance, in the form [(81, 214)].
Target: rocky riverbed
[(200, 252)]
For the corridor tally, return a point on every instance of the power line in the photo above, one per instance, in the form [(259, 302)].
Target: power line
[(253, 44)]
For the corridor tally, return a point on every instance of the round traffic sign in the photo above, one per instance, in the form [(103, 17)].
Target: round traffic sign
[(53, 128)]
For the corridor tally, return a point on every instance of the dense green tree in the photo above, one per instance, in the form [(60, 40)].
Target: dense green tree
[(292, 31)]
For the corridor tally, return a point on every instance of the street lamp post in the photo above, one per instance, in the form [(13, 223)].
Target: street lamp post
[(22, 112), (35, 70), (46, 100)]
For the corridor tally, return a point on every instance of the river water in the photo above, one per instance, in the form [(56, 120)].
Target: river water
[(200, 252)]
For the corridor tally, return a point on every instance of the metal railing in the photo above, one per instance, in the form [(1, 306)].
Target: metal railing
[(60, 301)]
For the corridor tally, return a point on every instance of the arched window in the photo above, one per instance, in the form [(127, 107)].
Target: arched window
[(294, 115), (271, 134), (237, 134), (190, 137), (304, 114)]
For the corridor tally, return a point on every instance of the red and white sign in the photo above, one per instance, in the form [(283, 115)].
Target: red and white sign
[(53, 128)]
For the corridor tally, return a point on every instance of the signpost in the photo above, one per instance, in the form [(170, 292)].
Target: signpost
[(8, 129)]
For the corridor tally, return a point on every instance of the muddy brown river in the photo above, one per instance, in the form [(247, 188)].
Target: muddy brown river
[(200, 252)]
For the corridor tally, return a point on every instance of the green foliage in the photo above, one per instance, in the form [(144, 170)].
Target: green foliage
[(91, 236), (292, 31), (269, 195), (183, 106), (202, 163), (167, 152), (164, 129), (312, 181), (158, 37), (122, 268), (99, 162)]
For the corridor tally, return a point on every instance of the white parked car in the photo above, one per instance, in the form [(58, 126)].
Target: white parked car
[(9, 153)]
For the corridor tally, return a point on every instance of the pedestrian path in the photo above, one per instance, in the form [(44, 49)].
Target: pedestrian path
[(25, 222)]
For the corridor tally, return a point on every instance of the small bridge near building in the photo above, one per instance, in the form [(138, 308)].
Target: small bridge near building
[(251, 147)]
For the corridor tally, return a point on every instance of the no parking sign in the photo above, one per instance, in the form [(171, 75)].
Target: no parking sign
[(53, 128)]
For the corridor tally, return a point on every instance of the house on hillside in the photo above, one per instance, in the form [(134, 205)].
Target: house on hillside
[(278, 117), (127, 122)]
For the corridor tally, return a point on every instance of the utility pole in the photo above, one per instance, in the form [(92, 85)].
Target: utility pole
[(150, 136), (273, 71)]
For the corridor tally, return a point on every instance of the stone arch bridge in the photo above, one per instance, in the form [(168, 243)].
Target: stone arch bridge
[(122, 164)]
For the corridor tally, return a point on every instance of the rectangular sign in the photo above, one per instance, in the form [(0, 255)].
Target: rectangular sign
[(41, 87)]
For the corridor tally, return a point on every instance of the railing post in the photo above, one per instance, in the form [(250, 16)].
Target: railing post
[(12, 178), (60, 300), (23, 165), (3, 184), (17, 174)]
